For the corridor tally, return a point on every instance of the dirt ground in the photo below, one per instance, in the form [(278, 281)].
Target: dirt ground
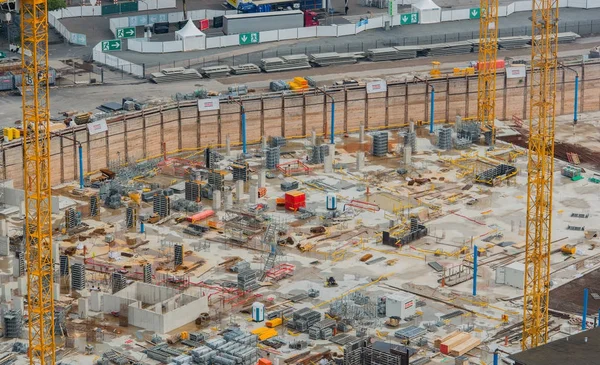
[(569, 297)]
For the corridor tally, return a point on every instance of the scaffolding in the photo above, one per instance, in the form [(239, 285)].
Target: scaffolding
[(77, 276), (292, 168), (380, 144), (444, 138)]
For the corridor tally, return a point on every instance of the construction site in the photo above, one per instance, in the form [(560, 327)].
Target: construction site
[(440, 216)]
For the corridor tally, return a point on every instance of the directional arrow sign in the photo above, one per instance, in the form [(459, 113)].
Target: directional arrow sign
[(112, 45), (249, 38), (474, 13), (410, 18), (128, 32)]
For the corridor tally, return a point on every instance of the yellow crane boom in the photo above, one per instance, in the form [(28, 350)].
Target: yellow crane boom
[(486, 68), (36, 175), (540, 166)]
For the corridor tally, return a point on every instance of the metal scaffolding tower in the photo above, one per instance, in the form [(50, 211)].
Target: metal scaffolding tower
[(486, 67), (540, 166)]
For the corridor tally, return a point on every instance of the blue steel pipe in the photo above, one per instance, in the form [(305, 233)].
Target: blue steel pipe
[(496, 357), (585, 307), (80, 167), (243, 130), (576, 105), (475, 254), (431, 110)]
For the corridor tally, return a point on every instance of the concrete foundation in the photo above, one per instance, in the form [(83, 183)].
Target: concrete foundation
[(360, 160), (216, 200), (96, 301)]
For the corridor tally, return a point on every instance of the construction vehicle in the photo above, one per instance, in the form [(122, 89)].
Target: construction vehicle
[(435, 69), (331, 283), (568, 249), (153, 218)]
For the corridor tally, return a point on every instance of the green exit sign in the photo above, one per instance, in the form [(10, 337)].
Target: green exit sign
[(474, 13), (128, 32), (111, 45), (249, 38)]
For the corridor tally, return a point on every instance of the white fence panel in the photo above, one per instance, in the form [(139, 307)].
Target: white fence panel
[(134, 45), (510, 8), (71, 12), (323, 31), (175, 17), (172, 46), (523, 6), (230, 40), (501, 10), (89, 11), (577, 4), (56, 13), (285, 34), (112, 25), (308, 32), (593, 4), (375, 23), (460, 14), (446, 15), (213, 42), (213, 13), (563, 3), (51, 19), (268, 36), (152, 47), (137, 70), (197, 14), (166, 4), (346, 29)]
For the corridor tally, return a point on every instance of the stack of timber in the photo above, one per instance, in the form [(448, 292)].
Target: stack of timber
[(215, 71), (332, 58), (457, 343), (247, 68), (174, 74), (284, 63)]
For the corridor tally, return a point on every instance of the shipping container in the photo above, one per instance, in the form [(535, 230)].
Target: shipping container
[(51, 79), (260, 22)]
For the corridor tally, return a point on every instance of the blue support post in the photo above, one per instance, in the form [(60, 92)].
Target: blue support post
[(585, 306), (80, 167), (496, 357), (431, 110), (576, 104), (331, 137), (475, 254), (141, 227), (243, 130)]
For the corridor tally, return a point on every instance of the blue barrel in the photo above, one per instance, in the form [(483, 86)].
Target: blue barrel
[(331, 201)]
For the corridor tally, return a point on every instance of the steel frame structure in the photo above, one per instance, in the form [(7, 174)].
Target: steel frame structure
[(540, 166), (486, 67), (36, 174)]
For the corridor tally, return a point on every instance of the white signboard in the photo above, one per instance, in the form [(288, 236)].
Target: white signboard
[(515, 72), (208, 104), (376, 87), (97, 127)]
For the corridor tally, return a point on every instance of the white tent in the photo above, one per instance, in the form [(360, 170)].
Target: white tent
[(193, 39), (428, 11)]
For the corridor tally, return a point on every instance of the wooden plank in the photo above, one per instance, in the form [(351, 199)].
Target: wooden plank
[(438, 341), (465, 347), (445, 347)]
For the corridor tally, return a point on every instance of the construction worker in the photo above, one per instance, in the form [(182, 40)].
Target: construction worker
[(345, 7)]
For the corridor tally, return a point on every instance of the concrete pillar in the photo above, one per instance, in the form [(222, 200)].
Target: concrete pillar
[(4, 308), (3, 227), (239, 190), (361, 133), (96, 301), (264, 142), (22, 285), (15, 263), (228, 199), (22, 208), (227, 145), (216, 200), (55, 252), (6, 293), (18, 303), (360, 160), (407, 155), (332, 151), (328, 164), (56, 291), (411, 126), (313, 137), (82, 308), (4, 245), (253, 192), (262, 178), (458, 122)]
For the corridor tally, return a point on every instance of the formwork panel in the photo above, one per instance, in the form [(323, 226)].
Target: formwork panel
[(171, 130), (231, 121), (514, 97), (314, 113), (209, 128), (457, 97), (376, 110), (356, 108), (253, 131), (135, 138), (293, 112), (396, 104), (472, 111), (116, 141), (417, 102), (55, 163), (189, 127), (97, 151), (272, 115)]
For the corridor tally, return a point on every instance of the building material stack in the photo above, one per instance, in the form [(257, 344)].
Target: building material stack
[(119, 282), (147, 273), (236, 347), (444, 138), (94, 205), (13, 324), (318, 154), (130, 217), (161, 205), (240, 171), (380, 144), (294, 200), (247, 280), (64, 265), (193, 191), (322, 330), (458, 343), (284, 63), (19, 264), (332, 58), (272, 157), (215, 71), (77, 276), (174, 74), (178, 254), (247, 68), (277, 141), (303, 319)]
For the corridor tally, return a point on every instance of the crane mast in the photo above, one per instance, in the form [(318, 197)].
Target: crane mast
[(36, 176), (540, 168), (486, 68)]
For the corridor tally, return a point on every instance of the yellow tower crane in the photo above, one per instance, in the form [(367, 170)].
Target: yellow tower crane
[(36, 175), (540, 166), (486, 68)]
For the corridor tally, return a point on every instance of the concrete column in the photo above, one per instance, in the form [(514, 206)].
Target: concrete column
[(96, 301), (361, 133), (228, 199), (216, 200), (313, 137), (55, 252), (262, 178), (239, 190), (18, 304), (82, 308), (411, 126), (4, 245), (407, 155), (22, 208), (6, 293), (56, 291), (458, 122), (22, 285), (3, 227), (328, 164), (227, 145), (264, 142), (253, 192), (15, 262), (360, 160)]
